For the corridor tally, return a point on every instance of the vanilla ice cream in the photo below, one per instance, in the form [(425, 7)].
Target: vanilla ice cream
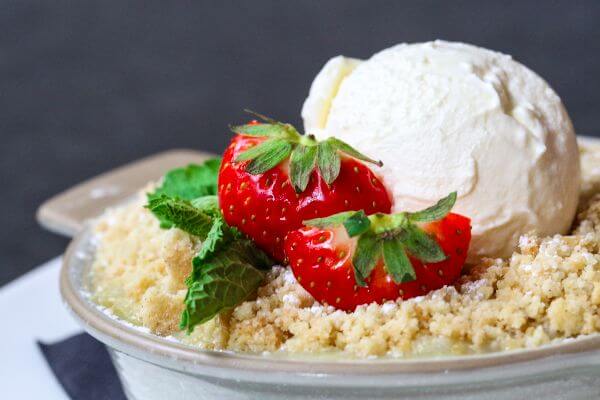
[(450, 116)]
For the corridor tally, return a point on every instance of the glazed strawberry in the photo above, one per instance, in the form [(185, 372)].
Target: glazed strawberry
[(350, 259), (272, 178)]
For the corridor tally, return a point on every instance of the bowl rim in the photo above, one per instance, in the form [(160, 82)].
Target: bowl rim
[(132, 341)]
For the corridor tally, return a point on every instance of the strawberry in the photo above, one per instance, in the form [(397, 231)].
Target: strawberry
[(350, 259), (272, 178)]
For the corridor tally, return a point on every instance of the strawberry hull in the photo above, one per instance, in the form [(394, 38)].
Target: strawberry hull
[(266, 207)]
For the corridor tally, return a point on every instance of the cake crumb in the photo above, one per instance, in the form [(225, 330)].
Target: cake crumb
[(548, 290)]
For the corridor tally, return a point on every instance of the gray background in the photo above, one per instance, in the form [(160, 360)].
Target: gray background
[(88, 85)]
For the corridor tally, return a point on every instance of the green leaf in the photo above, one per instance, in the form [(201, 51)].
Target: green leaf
[(330, 221), (262, 116), (366, 256), (266, 155), (435, 212), (222, 281), (208, 205), (328, 161), (181, 214), (190, 182), (226, 271), (351, 151), (270, 130), (287, 130), (421, 245), (397, 262), (260, 149), (215, 237), (357, 224), (302, 163)]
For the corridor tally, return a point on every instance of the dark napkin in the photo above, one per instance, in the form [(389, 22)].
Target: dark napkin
[(84, 369)]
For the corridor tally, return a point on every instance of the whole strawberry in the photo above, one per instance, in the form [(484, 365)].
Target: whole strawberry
[(272, 178), (349, 259)]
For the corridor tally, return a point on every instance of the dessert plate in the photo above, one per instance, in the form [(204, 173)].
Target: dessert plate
[(152, 367)]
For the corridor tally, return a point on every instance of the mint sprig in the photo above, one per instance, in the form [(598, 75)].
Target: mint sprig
[(181, 214), (221, 279), (392, 237), (191, 182), (306, 153), (188, 183), (228, 267)]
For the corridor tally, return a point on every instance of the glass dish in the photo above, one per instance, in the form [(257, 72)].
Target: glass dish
[(151, 367)]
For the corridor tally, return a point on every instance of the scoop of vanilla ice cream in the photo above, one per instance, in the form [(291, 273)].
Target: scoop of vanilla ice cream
[(450, 116)]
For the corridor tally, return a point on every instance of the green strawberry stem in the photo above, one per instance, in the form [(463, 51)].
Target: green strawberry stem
[(305, 152), (391, 236)]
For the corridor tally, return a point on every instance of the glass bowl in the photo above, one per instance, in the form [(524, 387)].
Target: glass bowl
[(151, 367)]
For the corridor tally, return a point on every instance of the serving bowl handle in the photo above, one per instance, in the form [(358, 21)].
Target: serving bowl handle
[(66, 212)]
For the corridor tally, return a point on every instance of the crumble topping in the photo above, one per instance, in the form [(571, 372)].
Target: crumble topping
[(548, 290)]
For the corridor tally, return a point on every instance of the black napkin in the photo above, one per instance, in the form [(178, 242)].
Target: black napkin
[(84, 369)]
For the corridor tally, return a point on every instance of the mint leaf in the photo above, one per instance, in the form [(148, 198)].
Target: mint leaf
[(222, 284), (366, 256), (191, 182), (215, 237), (302, 163), (227, 269), (328, 161), (397, 262), (435, 212), (181, 214), (208, 205), (188, 183), (221, 279), (421, 245), (219, 235)]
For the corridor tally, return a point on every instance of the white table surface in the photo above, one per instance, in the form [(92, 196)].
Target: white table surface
[(31, 310)]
